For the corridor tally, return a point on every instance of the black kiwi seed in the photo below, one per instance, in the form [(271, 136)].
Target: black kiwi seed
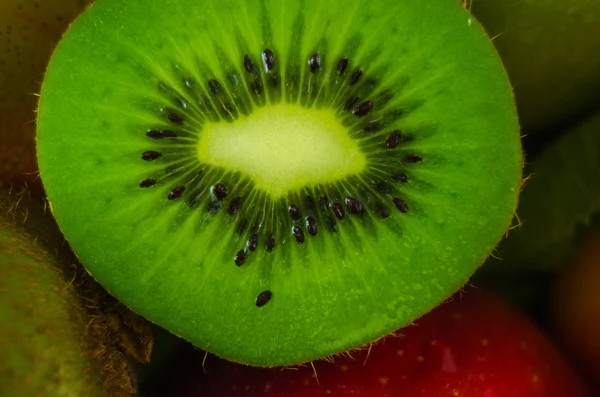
[(338, 210), (351, 102), (412, 158), (363, 109), (270, 243), (150, 155), (263, 298), (253, 242), (234, 205), (268, 60), (240, 257), (176, 193), (154, 134), (315, 63), (393, 140), (248, 64), (354, 206), (214, 86), (220, 191), (400, 177), (311, 226), (298, 234), (174, 117), (342, 66), (294, 212), (354, 77), (148, 182), (401, 205)]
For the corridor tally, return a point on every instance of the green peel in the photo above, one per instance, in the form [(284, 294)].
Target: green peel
[(117, 70)]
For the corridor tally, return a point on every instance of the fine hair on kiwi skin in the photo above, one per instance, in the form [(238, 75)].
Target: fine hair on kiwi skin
[(29, 30), (279, 182), (60, 332)]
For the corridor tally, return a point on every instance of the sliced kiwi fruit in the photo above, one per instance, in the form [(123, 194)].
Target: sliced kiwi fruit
[(550, 50), (29, 30), (279, 181), (53, 335), (559, 204)]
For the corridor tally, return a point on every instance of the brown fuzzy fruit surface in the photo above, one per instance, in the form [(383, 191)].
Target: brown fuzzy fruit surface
[(29, 31), (61, 334)]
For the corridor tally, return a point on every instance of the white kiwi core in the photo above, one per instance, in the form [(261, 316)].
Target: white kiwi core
[(283, 148)]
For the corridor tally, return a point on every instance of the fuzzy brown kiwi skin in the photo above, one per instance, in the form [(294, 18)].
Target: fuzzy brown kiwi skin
[(29, 31), (44, 279)]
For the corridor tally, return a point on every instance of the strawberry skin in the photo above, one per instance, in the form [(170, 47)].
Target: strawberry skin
[(472, 346)]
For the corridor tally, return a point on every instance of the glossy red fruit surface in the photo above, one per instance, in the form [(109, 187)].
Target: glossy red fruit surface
[(472, 346)]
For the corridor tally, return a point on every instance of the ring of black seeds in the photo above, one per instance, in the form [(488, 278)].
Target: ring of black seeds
[(217, 105)]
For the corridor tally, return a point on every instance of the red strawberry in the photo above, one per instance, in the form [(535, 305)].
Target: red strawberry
[(473, 346)]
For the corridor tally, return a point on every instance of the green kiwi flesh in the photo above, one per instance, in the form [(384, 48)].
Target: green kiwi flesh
[(276, 182), (559, 204), (550, 51), (50, 345)]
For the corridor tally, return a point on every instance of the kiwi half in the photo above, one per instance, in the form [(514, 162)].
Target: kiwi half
[(279, 181)]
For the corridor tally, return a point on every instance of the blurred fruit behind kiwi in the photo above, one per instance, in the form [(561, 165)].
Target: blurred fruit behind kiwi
[(550, 50), (29, 30), (61, 334), (576, 307), (559, 205), (559, 202)]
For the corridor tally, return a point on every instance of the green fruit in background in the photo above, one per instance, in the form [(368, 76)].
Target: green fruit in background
[(551, 50), (55, 339), (279, 181), (29, 30), (559, 202)]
